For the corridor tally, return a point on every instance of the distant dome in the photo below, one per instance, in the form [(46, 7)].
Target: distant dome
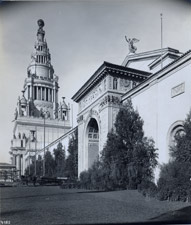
[(63, 104)]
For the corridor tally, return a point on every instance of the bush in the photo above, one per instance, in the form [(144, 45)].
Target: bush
[(174, 183), (148, 188)]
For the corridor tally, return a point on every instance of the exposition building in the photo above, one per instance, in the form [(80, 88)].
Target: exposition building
[(157, 82)]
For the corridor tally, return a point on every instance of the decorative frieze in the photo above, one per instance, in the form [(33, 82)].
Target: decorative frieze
[(92, 96), (109, 99)]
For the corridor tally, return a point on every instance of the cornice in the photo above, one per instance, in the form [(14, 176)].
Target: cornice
[(108, 69), (32, 121), (159, 74)]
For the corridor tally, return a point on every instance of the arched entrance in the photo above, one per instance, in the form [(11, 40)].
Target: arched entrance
[(93, 141)]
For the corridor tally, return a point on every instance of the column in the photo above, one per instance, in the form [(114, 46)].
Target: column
[(28, 87), (38, 93), (56, 97), (18, 167), (45, 93), (14, 160), (49, 96), (22, 172), (52, 95), (31, 90), (41, 93)]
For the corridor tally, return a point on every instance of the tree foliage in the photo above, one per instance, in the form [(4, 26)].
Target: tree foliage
[(54, 164), (174, 182), (181, 150), (128, 157), (72, 159), (49, 165), (59, 158)]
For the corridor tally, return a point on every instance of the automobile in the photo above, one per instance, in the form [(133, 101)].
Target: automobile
[(49, 181)]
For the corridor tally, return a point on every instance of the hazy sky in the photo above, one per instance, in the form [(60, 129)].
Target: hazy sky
[(80, 35)]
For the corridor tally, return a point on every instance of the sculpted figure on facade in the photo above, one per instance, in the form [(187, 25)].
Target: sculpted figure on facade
[(16, 113), (131, 41)]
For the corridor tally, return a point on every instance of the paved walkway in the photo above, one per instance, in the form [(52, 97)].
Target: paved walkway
[(52, 205)]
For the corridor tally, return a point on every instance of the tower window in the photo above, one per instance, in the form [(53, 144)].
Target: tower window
[(46, 94), (115, 83), (35, 93)]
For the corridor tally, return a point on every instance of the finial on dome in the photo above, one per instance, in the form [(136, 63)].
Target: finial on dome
[(40, 23), (40, 32)]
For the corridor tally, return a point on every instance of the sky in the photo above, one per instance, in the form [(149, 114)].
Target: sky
[(81, 35)]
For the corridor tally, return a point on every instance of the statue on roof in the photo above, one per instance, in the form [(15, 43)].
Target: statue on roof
[(131, 41), (16, 114)]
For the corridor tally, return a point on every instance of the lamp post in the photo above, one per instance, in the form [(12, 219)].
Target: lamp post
[(44, 146), (34, 148), (35, 151)]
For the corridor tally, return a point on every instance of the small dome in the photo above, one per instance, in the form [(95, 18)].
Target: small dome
[(63, 104), (23, 100)]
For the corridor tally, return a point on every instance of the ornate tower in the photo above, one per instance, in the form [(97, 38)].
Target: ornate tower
[(39, 118), (41, 84)]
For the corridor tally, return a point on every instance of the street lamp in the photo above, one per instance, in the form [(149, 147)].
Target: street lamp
[(44, 117), (34, 139), (44, 147)]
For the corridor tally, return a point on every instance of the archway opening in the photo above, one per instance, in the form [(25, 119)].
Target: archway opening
[(93, 141), (177, 130)]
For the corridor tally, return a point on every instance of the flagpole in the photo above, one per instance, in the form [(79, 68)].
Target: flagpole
[(161, 38)]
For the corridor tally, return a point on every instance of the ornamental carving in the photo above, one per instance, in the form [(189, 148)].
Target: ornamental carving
[(92, 96), (109, 99), (80, 119)]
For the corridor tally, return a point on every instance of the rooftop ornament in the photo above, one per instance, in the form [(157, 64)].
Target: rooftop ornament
[(131, 41)]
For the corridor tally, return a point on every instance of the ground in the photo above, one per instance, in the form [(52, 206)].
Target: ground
[(53, 205)]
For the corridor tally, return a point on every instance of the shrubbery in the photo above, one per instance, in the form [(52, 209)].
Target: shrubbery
[(174, 183), (175, 178), (128, 160), (128, 157), (56, 164), (148, 188)]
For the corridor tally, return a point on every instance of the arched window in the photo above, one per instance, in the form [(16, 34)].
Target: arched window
[(175, 129), (115, 83)]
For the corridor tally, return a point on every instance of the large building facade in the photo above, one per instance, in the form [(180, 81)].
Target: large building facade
[(157, 82), (39, 118)]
